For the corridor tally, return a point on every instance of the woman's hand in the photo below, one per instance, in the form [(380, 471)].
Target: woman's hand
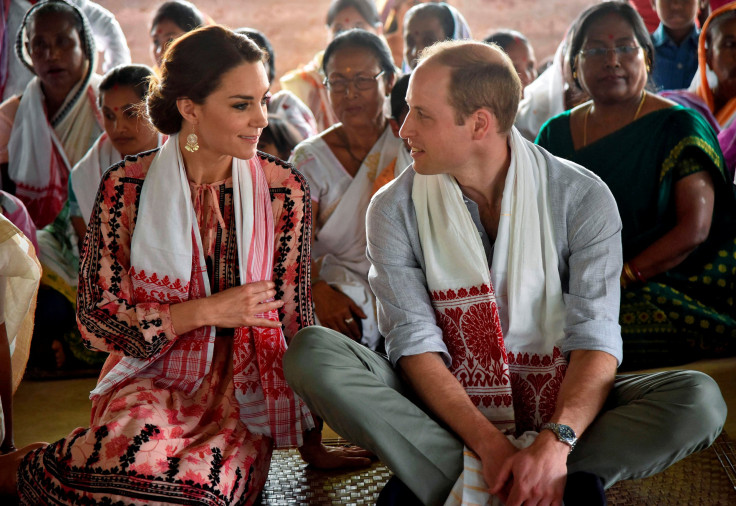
[(322, 457), (237, 306), (231, 308), (336, 310)]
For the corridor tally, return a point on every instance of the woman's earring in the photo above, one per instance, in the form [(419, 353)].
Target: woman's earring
[(192, 144), (575, 74)]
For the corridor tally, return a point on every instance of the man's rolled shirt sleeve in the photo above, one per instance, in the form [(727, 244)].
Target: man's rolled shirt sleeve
[(405, 314), (592, 295)]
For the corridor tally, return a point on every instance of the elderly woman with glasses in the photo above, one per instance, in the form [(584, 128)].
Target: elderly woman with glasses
[(663, 165), (341, 165)]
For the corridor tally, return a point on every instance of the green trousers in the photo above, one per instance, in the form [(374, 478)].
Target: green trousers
[(649, 421)]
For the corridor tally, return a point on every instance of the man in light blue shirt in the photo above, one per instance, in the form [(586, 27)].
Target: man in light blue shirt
[(409, 408)]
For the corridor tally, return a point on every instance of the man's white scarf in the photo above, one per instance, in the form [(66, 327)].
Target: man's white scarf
[(522, 360), (527, 285)]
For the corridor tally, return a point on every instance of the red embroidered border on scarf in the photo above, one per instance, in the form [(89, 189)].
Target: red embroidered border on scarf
[(471, 330)]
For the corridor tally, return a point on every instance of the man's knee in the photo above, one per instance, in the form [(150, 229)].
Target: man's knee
[(305, 357), (707, 408)]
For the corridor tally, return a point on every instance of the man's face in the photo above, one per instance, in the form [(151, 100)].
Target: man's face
[(438, 144)]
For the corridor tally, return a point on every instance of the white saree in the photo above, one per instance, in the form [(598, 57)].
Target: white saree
[(340, 244)]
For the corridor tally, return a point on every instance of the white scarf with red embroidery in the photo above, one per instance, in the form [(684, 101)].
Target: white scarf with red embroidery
[(168, 266), (42, 151), (504, 344)]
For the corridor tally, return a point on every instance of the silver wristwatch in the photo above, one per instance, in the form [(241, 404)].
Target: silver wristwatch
[(563, 432)]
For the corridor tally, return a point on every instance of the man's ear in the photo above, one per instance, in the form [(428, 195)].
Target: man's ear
[(188, 110), (483, 122)]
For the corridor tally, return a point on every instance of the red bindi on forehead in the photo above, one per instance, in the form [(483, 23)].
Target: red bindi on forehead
[(610, 36)]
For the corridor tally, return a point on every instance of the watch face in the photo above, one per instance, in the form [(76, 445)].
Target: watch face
[(566, 432)]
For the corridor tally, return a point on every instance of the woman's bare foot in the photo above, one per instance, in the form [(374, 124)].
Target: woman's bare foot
[(9, 468)]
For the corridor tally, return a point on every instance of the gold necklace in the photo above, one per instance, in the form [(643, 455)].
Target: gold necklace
[(587, 113)]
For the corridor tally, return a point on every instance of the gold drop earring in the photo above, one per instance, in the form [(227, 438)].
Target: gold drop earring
[(192, 144)]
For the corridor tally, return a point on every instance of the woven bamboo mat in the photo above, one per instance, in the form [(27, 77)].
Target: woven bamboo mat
[(707, 478), (290, 481)]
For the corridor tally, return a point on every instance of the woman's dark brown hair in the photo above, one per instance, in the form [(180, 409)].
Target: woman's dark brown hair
[(192, 68)]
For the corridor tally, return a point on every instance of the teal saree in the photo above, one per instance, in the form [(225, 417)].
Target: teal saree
[(688, 312)]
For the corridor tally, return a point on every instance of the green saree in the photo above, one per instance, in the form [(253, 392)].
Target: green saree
[(688, 312)]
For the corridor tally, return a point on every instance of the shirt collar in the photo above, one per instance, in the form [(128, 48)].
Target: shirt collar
[(660, 37)]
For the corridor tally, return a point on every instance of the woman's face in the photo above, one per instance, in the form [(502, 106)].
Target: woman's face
[(615, 70), (56, 51), (163, 33), (347, 19), (722, 58), (354, 106), (129, 132), (522, 56), (231, 119), (421, 31)]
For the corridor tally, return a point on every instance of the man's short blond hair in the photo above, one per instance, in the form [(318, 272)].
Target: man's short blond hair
[(481, 77)]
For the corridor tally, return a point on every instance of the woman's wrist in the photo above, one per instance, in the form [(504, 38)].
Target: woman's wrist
[(190, 315), (630, 274)]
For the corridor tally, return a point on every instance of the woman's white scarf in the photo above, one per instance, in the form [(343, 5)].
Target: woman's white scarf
[(501, 342), (168, 266), (87, 173), (42, 152)]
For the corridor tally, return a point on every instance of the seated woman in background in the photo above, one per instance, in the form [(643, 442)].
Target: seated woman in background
[(47, 131), (677, 208), (44, 132), (108, 35), (172, 20), (715, 52), (128, 132), (289, 120), (427, 23), (307, 82), (341, 165), (517, 46), (192, 398)]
